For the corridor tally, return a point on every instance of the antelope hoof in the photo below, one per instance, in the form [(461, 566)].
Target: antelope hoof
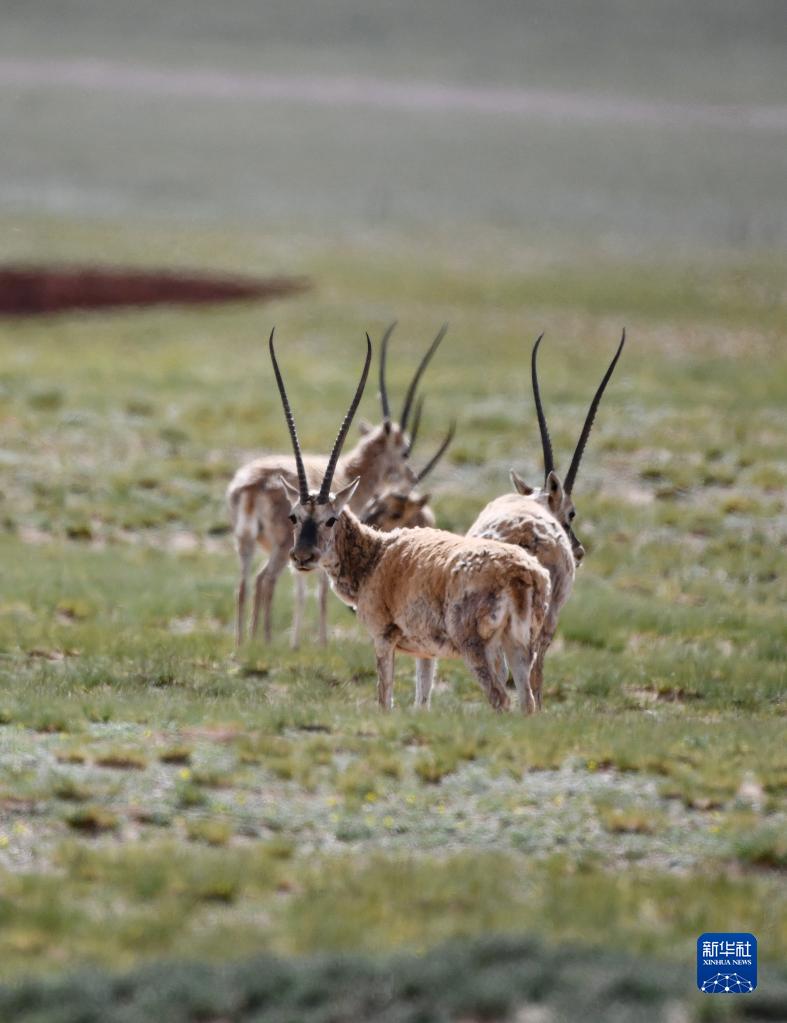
[(499, 700)]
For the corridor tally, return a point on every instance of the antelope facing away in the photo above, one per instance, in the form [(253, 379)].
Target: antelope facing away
[(541, 521), (402, 507), (421, 591), (259, 507)]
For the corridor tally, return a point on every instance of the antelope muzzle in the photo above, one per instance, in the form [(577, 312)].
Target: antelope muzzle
[(305, 555), (576, 546)]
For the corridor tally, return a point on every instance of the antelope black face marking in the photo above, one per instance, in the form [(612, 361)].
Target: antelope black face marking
[(308, 533)]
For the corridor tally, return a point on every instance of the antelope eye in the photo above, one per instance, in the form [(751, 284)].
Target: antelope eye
[(571, 516), (396, 516), (293, 520), (330, 521)]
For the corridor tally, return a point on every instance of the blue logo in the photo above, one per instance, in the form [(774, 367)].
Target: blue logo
[(726, 963)]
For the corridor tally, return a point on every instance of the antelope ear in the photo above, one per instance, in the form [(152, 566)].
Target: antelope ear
[(409, 477), (292, 492), (345, 495), (364, 427), (424, 500), (519, 484), (554, 492)]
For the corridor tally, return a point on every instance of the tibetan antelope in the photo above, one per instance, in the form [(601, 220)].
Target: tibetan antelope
[(421, 591), (259, 508), (541, 521), (402, 507)]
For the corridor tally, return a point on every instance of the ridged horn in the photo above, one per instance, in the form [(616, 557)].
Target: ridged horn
[(419, 408), (437, 455), (408, 400), (383, 359), (303, 485), (546, 443), (327, 479), (571, 475)]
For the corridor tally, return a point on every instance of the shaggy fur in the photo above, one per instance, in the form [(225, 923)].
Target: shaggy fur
[(259, 513), (396, 510), (431, 594), (528, 522)]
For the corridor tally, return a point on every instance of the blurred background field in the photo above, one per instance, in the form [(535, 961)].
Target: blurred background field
[(159, 798), (633, 125)]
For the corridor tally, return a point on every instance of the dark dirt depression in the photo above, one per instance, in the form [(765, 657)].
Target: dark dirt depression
[(44, 290)]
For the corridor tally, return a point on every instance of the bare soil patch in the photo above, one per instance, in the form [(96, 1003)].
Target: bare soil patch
[(44, 290)]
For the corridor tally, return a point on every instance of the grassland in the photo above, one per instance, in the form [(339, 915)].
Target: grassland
[(186, 834), (160, 797)]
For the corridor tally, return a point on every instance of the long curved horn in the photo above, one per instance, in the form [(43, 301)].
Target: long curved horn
[(419, 408), (327, 479), (303, 485), (437, 455), (408, 400), (571, 475), (546, 443), (383, 357)]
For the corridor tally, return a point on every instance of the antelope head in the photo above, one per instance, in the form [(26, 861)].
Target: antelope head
[(389, 442), (556, 494), (400, 507), (314, 514)]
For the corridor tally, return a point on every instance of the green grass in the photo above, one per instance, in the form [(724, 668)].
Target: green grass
[(161, 797), (488, 979)]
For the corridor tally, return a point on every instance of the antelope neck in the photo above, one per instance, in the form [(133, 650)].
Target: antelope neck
[(361, 462), (356, 551)]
